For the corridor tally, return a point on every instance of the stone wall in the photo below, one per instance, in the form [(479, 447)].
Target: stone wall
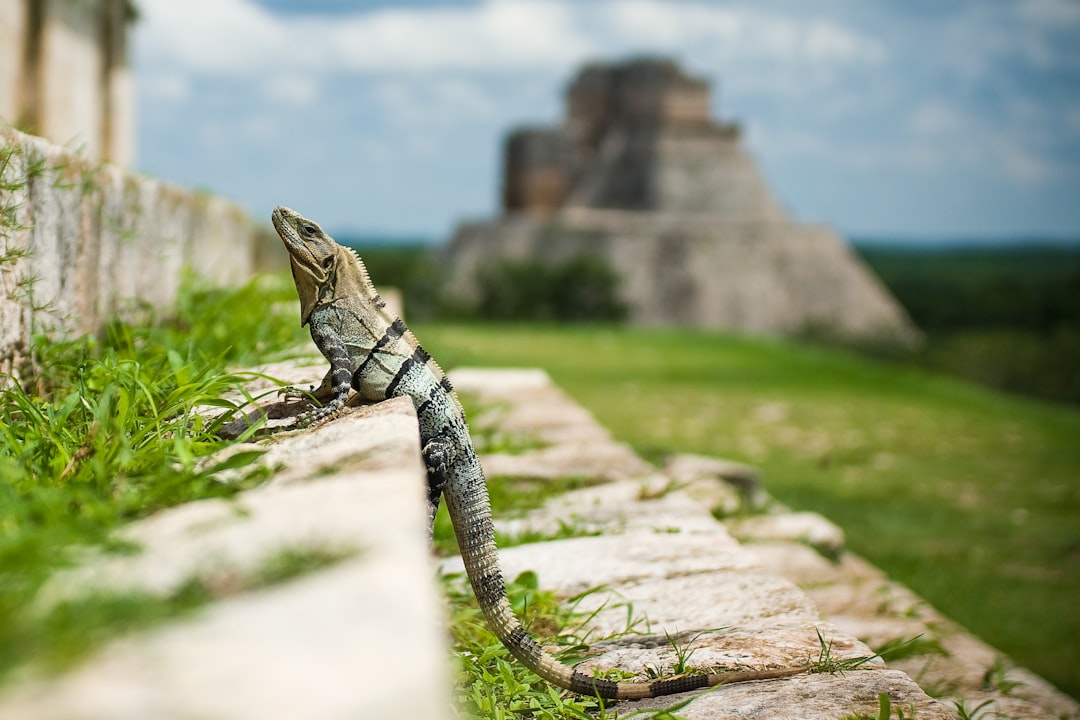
[(639, 92), (538, 165), (756, 277), (80, 242), (64, 74)]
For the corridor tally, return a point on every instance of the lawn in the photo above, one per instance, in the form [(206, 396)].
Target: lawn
[(969, 496)]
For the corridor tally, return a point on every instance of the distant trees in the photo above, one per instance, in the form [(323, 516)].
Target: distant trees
[(583, 288), (1030, 288), (1007, 317)]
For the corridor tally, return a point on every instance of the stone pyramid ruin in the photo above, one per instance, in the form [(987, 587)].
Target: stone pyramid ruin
[(640, 175)]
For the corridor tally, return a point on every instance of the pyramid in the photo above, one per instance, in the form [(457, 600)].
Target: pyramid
[(639, 174)]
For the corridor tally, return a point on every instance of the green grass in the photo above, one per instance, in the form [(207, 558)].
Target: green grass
[(491, 683), (969, 496), (510, 497), (105, 432)]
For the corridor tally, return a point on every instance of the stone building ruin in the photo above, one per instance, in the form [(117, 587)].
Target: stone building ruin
[(64, 74), (640, 174)]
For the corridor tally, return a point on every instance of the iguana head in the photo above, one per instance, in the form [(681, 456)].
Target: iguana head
[(313, 255)]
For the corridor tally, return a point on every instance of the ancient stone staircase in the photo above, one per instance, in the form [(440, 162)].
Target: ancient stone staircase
[(365, 638)]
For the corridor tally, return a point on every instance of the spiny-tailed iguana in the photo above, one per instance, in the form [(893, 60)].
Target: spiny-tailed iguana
[(371, 351)]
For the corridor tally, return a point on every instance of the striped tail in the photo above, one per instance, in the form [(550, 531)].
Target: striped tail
[(470, 512)]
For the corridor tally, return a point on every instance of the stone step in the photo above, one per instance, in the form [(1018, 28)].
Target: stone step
[(665, 569), (769, 577)]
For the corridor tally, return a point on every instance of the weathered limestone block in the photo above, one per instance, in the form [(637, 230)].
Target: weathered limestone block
[(525, 400), (84, 241), (356, 462), (663, 565), (527, 404), (805, 527), (709, 596), (646, 504), (663, 558), (723, 486), (362, 638), (862, 602), (812, 697)]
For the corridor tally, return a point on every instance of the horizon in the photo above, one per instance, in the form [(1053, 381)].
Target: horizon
[(361, 238)]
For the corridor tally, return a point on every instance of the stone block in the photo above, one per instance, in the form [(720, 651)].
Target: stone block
[(811, 697), (805, 527), (364, 637)]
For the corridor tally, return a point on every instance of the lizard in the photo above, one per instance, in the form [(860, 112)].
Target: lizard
[(371, 351)]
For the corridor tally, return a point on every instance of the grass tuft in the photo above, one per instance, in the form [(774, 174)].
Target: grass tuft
[(826, 663), (491, 683), (107, 432)]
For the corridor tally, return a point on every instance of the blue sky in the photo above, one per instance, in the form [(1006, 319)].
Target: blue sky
[(920, 118)]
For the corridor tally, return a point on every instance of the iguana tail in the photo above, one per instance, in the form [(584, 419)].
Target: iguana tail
[(470, 512)]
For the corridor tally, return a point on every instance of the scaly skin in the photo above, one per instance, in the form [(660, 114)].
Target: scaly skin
[(372, 352)]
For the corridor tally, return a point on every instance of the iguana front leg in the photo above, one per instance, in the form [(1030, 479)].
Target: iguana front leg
[(321, 392), (336, 383)]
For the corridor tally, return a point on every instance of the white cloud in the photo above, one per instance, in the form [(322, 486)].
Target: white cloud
[(733, 31), (1051, 13), (788, 142), (215, 36), (942, 136), (1021, 164), (1072, 119), (659, 24), (983, 37), (497, 35), (432, 102), (828, 41), (935, 118), (301, 90), (237, 37), (167, 86)]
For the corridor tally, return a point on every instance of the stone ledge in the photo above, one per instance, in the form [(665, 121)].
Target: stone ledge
[(357, 639)]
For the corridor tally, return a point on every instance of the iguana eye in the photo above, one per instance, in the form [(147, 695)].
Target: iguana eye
[(307, 229)]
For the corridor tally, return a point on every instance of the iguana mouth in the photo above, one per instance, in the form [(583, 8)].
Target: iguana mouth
[(280, 218), (285, 221)]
